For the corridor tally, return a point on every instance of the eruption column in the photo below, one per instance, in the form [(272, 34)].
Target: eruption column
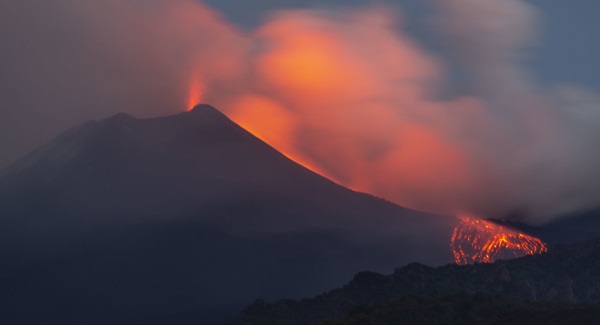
[(195, 92)]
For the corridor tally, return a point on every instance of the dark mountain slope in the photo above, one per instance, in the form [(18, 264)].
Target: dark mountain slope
[(124, 169), (569, 273), (128, 217), (574, 227)]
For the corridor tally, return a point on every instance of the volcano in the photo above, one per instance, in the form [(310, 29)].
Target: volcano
[(128, 218)]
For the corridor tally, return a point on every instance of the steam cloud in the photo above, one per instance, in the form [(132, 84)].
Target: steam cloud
[(346, 92)]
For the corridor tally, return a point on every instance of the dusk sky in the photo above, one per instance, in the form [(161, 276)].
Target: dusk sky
[(442, 106), (564, 53)]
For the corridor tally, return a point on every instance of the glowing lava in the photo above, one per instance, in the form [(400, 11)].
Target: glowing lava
[(195, 92), (480, 241)]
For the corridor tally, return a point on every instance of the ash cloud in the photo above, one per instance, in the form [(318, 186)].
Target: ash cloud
[(345, 91), (538, 147)]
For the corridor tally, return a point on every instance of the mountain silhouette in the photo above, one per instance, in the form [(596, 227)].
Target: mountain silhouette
[(126, 218), (561, 283)]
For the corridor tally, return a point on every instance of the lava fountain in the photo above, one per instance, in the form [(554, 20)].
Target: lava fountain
[(195, 92), (480, 241)]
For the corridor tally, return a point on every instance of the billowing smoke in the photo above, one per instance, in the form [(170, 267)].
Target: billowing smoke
[(346, 92), (537, 143)]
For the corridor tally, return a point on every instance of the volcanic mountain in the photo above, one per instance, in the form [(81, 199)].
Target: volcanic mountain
[(126, 218)]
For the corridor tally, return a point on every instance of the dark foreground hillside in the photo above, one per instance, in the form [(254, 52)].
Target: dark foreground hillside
[(569, 274), (465, 309)]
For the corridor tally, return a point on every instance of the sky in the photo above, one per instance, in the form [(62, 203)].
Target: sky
[(457, 106), (567, 36)]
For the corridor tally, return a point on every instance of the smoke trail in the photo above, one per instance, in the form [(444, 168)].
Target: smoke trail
[(346, 92)]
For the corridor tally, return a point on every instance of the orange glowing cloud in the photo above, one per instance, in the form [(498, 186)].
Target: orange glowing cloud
[(313, 58), (266, 119), (345, 97), (420, 151), (308, 63), (272, 123)]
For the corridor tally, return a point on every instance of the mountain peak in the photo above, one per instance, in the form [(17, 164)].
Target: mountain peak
[(204, 114), (200, 112), (204, 109)]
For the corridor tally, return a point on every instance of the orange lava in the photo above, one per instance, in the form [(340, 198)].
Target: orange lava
[(480, 241), (195, 93)]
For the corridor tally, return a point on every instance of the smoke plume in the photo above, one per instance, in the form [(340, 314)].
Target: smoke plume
[(346, 92)]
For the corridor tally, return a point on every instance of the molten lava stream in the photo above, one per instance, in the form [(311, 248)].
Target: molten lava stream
[(479, 241)]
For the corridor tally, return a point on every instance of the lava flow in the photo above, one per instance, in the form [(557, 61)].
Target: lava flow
[(480, 241)]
